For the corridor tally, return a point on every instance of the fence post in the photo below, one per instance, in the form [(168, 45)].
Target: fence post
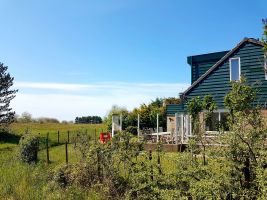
[(95, 135), (47, 149), (66, 149), (68, 136), (159, 167), (57, 137), (38, 141), (151, 166), (86, 131)]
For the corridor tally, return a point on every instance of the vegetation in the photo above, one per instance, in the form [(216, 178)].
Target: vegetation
[(121, 169), (246, 140), (6, 95), (28, 148), (148, 116), (88, 120)]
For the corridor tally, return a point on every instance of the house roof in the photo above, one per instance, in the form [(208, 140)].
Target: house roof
[(250, 40), (205, 57)]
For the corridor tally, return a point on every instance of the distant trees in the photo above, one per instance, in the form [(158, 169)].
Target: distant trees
[(88, 120), (6, 95), (26, 117)]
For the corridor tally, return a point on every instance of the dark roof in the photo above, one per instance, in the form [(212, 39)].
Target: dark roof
[(250, 40), (205, 57)]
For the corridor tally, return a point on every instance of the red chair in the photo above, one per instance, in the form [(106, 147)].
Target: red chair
[(104, 137)]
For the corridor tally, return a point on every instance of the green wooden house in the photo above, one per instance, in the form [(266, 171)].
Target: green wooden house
[(211, 74)]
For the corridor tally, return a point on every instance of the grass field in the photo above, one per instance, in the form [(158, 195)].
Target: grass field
[(41, 130), (23, 181)]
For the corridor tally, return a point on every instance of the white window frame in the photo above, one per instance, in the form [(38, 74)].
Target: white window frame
[(230, 67), (219, 111)]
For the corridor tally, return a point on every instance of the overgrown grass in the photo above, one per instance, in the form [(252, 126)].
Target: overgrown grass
[(35, 128), (23, 181), (52, 129)]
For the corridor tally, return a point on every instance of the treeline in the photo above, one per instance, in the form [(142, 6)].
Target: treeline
[(88, 120), (26, 117)]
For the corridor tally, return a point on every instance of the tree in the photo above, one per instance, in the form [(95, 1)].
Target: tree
[(245, 139), (6, 95), (116, 110), (26, 117)]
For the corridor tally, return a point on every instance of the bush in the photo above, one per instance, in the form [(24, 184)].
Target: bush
[(28, 148), (131, 129)]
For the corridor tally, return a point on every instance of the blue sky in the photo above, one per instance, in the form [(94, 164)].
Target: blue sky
[(72, 58)]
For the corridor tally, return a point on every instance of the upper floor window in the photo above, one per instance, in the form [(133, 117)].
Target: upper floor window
[(235, 69)]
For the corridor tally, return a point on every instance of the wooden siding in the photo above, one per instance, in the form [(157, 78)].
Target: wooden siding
[(174, 108), (217, 82), (200, 69), (202, 63)]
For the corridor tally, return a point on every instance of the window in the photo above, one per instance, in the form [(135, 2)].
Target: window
[(218, 122), (234, 69), (212, 122)]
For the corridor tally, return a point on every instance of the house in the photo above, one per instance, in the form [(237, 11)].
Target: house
[(211, 74)]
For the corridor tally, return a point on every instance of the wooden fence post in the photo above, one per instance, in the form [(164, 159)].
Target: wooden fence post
[(57, 137), (68, 136), (151, 169), (47, 149), (95, 135), (38, 141), (66, 149), (159, 167)]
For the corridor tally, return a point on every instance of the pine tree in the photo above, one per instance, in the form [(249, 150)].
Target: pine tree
[(6, 95)]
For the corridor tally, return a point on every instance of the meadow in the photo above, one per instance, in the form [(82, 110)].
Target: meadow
[(22, 181), (116, 170)]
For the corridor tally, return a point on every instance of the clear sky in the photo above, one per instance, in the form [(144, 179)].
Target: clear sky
[(72, 58)]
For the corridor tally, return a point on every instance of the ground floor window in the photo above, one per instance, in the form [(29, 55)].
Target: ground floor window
[(217, 122)]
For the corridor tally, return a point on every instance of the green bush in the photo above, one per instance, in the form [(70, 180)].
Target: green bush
[(131, 129), (28, 148)]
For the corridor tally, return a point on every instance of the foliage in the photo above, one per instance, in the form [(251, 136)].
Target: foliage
[(43, 120), (209, 106), (132, 130), (194, 107), (172, 100), (245, 139), (240, 98), (116, 110), (28, 148), (148, 115), (25, 117), (88, 120), (6, 95)]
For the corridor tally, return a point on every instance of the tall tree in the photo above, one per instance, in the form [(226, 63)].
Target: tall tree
[(246, 139), (6, 95)]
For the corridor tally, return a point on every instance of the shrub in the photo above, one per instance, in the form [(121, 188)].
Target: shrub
[(28, 148), (132, 130)]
